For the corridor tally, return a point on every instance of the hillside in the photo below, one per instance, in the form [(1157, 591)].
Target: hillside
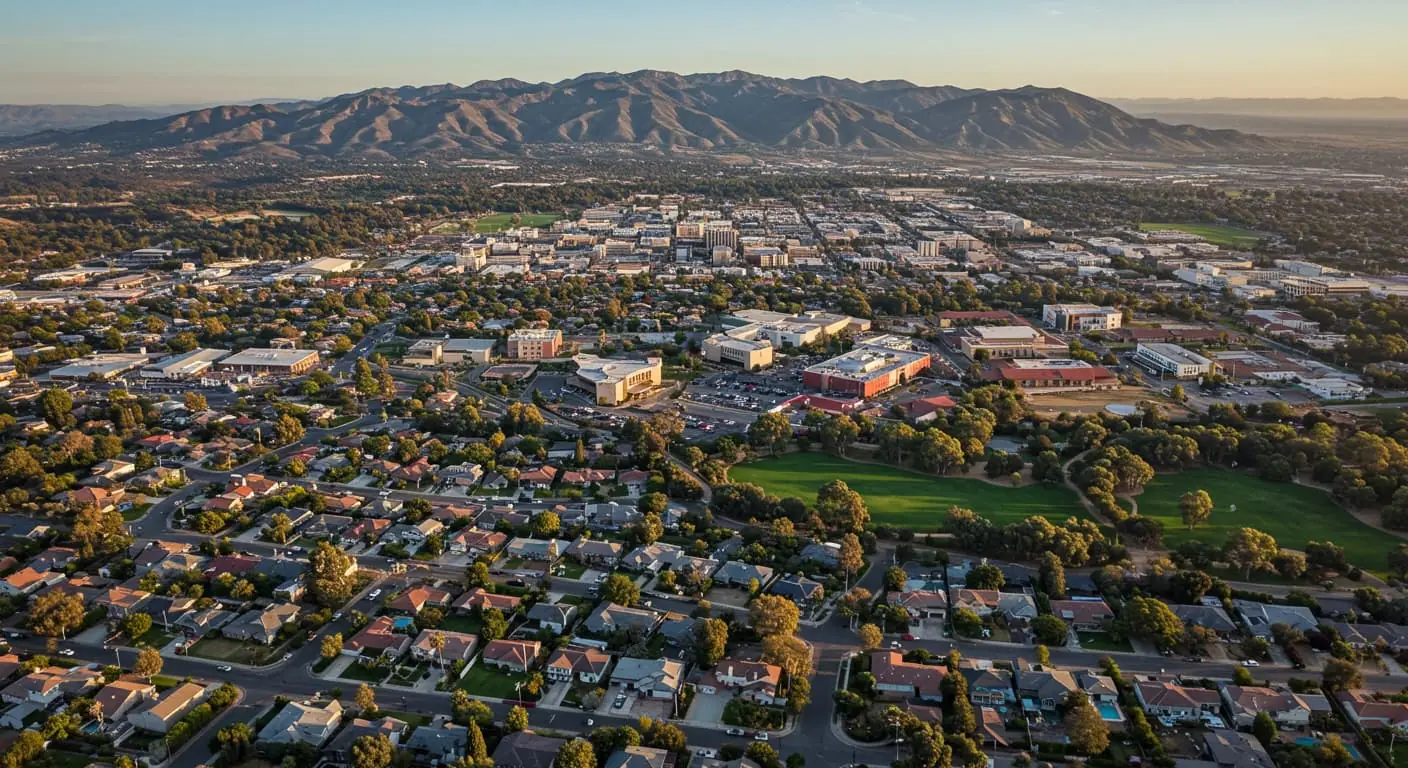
[(660, 110)]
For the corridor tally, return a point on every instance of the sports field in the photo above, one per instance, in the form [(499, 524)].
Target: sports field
[(907, 499), (1217, 234), (1293, 514), (499, 222)]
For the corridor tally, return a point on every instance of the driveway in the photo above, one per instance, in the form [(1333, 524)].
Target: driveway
[(708, 708)]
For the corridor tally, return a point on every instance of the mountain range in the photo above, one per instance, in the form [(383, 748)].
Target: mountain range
[(658, 110)]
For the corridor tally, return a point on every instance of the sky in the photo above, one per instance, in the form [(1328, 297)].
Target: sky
[(212, 51)]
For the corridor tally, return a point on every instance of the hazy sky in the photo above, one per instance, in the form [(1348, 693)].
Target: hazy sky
[(170, 51)]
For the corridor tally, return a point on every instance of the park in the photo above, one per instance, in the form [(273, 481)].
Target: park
[(908, 499), (1292, 514), (1217, 234)]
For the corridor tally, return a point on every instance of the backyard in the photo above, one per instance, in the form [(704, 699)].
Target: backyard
[(904, 498), (487, 681), (233, 651), (1217, 234), (1293, 514)]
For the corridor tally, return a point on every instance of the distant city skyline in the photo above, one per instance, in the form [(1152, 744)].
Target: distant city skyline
[(142, 52)]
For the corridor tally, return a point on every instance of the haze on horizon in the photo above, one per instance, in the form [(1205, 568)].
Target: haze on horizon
[(168, 52)]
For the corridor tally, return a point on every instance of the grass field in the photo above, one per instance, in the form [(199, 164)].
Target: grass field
[(1293, 514), (236, 651), (907, 499), (1217, 234), (499, 222), (487, 681)]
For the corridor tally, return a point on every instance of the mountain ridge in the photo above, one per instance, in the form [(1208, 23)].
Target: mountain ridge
[(661, 111)]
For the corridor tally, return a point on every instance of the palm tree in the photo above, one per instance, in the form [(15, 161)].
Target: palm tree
[(437, 641)]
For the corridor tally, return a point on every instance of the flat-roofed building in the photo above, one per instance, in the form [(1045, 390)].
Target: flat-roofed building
[(1008, 341), (425, 352), (613, 382), (534, 343), (473, 351), (184, 366), (867, 370), (1052, 375), (1172, 360), (98, 367), (747, 346), (1076, 318), (276, 362)]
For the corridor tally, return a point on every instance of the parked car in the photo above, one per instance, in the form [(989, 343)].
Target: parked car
[(760, 736), (66, 652), (736, 732), (224, 668)]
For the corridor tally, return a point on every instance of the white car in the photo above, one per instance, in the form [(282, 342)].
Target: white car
[(224, 668), (66, 652), (375, 594), (1251, 663), (760, 736)]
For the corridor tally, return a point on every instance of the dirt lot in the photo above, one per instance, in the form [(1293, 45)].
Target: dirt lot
[(1091, 402)]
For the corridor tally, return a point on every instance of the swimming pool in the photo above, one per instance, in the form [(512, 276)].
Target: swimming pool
[(403, 622), (1312, 742), (1109, 711)]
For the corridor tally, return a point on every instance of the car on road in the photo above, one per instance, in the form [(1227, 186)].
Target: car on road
[(908, 637), (375, 594), (224, 668), (736, 732), (1251, 663), (1195, 659), (66, 652), (287, 656), (895, 644), (590, 722), (760, 736), (337, 616)]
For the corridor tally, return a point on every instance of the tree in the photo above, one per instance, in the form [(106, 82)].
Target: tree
[(763, 754), (56, 613), (621, 590), (56, 406), (647, 530), (148, 663), (372, 751), (366, 699), (1052, 575), (895, 579), (1341, 675), (1264, 728), (332, 646), (280, 527), (1250, 548), (477, 575), (790, 652), (1043, 655), (799, 694), (1087, 731), (99, 533), (851, 558), (654, 503), (710, 641), (516, 720), (1050, 630), (842, 508), (494, 625), (1398, 561), (1151, 619), (1242, 676), (985, 576), (577, 753), (774, 614), (1196, 507), (195, 401), (476, 750), (136, 624), (332, 571), (967, 622), (287, 429), (870, 637), (771, 431)]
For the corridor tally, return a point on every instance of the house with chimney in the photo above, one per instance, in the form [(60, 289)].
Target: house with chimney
[(755, 681)]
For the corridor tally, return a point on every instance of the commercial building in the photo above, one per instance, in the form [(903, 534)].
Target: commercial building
[(1296, 285), (867, 370), (534, 343), (1078, 318), (1052, 375), (717, 233), (1172, 360), (747, 346), (274, 362), (98, 367), (1008, 341), (425, 352), (472, 351), (784, 330), (185, 366), (613, 382)]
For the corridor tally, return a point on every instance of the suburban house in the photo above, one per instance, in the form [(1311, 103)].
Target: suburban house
[(921, 604), (54, 558), (987, 685), (1041, 689), (554, 616), (1289, 710), (538, 478), (546, 550), (1226, 748), (339, 750), (474, 542), (1015, 606), (120, 696), (526, 749), (896, 677), (459, 646), (27, 581), (169, 709), (261, 625), (585, 664), (416, 598), (1259, 617), (595, 552), (1166, 699), (512, 655), (378, 638), (198, 622), (799, 589), (1361, 636), (298, 722), (610, 617), (753, 680), (736, 573), (1371, 714), (366, 529), (1083, 615), (656, 678), (120, 601), (481, 599), (45, 686), (660, 556), (639, 757), (1210, 617), (442, 741)]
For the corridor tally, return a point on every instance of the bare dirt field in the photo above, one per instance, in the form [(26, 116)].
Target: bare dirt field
[(1091, 402)]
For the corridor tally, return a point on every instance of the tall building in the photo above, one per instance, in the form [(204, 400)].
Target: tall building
[(721, 233), (1077, 318), (534, 343)]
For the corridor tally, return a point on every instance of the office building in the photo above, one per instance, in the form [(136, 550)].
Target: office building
[(425, 353), (867, 370), (747, 346), (94, 367), (718, 233), (471, 351), (1172, 360), (184, 366), (273, 362), (1052, 375), (613, 382), (534, 343), (1079, 318), (1008, 341)]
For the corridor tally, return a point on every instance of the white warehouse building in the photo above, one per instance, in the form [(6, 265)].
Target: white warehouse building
[(1173, 360)]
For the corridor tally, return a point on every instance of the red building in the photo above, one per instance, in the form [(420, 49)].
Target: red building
[(1052, 375), (866, 371)]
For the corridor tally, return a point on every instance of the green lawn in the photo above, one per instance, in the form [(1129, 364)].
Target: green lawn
[(484, 680), (499, 222), (571, 569), (1217, 234), (904, 498), (1293, 514), (1099, 641), (135, 512), (356, 671), (225, 649), (459, 622), (154, 637)]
